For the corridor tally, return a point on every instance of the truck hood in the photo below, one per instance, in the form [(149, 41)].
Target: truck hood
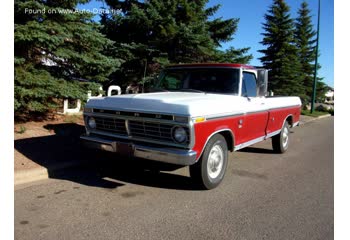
[(177, 103)]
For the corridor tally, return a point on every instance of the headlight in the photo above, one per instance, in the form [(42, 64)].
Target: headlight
[(179, 134), (91, 122)]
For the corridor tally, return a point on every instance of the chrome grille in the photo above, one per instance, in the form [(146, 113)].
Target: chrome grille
[(150, 130), (139, 129), (111, 125)]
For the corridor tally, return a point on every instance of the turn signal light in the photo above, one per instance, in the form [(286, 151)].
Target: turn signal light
[(199, 119)]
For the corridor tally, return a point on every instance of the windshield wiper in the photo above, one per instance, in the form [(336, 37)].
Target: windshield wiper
[(189, 90)]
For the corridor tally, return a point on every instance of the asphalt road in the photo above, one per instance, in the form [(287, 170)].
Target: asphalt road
[(263, 196)]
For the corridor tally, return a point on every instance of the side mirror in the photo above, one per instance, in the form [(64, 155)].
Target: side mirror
[(262, 82)]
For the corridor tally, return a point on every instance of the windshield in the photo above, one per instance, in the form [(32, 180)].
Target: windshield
[(212, 80)]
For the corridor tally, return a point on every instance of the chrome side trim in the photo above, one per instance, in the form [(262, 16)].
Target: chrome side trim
[(258, 111), (224, 115), (272, 134), (161, 154), (251, 142)]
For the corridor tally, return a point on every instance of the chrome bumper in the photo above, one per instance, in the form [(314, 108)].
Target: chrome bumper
[(167, 155)]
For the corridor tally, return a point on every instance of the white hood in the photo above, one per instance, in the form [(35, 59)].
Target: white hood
[(181, 103), (190, 104)]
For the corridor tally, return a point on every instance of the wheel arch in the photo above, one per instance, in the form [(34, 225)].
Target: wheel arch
[(289, 120), (227, 134)]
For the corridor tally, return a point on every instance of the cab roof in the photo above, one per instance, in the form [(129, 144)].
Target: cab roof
[(233, 65)]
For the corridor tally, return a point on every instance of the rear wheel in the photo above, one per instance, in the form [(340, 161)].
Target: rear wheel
[(210, 169), (280, 142)]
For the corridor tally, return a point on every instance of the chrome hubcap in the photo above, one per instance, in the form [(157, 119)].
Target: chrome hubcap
[(285, 137), (215, 161)]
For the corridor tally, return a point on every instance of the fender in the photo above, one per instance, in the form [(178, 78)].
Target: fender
[(211, 135)]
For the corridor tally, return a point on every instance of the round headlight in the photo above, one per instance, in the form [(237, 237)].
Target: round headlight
[(179, 134), (92, 122)]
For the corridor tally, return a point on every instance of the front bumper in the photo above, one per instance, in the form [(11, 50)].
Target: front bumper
[(160, 154)]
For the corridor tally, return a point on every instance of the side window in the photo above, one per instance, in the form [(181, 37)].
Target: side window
[(249, 85)]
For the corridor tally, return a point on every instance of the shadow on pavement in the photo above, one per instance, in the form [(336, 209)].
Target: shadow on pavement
[(257, 150), (93, 167)]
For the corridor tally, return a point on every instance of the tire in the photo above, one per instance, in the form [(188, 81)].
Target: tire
[(280, 142), (210, 169)]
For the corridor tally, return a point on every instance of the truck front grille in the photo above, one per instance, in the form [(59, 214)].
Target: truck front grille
[(111, 125), (138, 129), (155, 131)]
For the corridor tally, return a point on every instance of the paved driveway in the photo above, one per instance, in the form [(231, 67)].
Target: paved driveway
[(263, 196)]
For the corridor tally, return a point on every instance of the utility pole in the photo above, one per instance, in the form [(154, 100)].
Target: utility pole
[(316, 58)]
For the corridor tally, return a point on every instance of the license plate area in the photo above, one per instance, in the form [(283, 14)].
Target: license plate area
[(125, 149)]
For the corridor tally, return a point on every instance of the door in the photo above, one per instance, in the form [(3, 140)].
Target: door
[(256, 117)]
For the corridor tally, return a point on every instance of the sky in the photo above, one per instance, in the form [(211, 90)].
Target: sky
[(251, 14)]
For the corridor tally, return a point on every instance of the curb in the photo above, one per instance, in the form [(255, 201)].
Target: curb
[(26, 176), (39, 173), (314, 119)]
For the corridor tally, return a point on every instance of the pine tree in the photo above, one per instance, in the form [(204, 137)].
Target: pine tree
[(172, 31), (232, 55), (306, 44), (280, 55), (54, 48)]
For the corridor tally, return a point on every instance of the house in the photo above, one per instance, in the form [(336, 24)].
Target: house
[(329, 96)]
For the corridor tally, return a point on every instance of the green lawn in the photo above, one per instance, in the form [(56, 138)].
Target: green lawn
[(314, 114)]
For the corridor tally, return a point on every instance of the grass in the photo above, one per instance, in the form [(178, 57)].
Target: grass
[(71, 119), (22, 129), (314, 114)]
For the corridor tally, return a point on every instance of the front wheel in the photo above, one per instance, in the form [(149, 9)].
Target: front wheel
[(280, 142), (210, 169)]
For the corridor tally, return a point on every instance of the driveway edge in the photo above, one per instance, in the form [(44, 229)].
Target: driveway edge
[(306, 119), (39, 173)]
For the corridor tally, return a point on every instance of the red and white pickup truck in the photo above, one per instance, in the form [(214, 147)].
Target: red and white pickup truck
[(194, 116)]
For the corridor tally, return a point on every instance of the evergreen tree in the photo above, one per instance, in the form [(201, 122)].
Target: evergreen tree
[(172, 31), (233, 55), (54, 48), (306, 44), (322, 89), (280, 55)]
